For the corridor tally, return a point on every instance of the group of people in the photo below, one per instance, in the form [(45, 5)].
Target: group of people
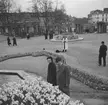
[(9, 41), (58, 74)]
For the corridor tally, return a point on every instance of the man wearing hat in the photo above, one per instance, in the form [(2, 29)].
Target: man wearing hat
[(63, 76), (102, 53)]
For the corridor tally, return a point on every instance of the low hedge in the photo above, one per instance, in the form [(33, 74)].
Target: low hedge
[(11, 56), (34, 54), (88, 79), (46, 53)]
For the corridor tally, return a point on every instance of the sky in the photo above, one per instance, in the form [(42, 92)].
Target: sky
[(77, 8)]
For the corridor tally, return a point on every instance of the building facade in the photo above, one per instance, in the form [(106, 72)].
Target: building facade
[(99, 19), (21, 23)]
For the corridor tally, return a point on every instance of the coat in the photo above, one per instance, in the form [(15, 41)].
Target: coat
[(51, 75), (63, 78), (14, 41), (102, 50), (65, 42), (8, 41)]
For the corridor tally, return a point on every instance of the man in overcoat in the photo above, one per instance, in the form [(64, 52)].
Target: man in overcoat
[(63, 76), (102, 53), (14, 41), (8, 41)]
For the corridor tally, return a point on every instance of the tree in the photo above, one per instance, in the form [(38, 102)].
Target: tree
[(53, 13), (36, 10), (60, 17), (43, 10), (6, 6), (18, 9)]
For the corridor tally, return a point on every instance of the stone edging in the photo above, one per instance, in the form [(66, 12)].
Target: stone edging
[(79, 39), (90, 80)]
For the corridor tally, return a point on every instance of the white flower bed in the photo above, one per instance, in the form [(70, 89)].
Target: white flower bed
[(33, 91), (69, 37)]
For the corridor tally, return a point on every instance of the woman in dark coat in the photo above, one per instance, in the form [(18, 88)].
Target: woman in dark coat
[(8, 41), (51, 76)]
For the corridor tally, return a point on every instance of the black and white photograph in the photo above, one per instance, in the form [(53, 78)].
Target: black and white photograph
[(53, 52)]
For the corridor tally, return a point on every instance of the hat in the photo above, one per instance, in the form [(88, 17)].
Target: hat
[(102, 42), (58, 59)]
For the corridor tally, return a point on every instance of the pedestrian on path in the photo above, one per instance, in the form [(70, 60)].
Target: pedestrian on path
[(51, 34), (8, 41), (102, 53), (63, 76), (65, 44), (14, 41), (46, 34), (51, 75), (28, 36)]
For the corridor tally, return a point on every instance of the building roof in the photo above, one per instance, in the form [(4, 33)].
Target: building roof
[(96, 12)]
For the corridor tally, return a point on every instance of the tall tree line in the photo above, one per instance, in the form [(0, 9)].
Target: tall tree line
[(51, 12), (54, 14)]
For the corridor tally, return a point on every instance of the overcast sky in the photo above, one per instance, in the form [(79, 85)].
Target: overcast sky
[(78, 8)]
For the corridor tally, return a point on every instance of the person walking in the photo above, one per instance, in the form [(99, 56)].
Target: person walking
[(51, 75), (46, 34), (63, 76), (8, 41), (65, 44), (102, 53), (14, 41), (63, 41), (28, 36), (51, 34)]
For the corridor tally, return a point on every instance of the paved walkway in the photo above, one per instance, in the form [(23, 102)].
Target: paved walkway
[(80, 54)]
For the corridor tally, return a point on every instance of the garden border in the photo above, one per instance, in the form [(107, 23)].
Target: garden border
[(86, 78), (79, 39)]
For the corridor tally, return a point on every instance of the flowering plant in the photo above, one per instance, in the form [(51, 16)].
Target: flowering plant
[(69, 37), (33, 91)]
